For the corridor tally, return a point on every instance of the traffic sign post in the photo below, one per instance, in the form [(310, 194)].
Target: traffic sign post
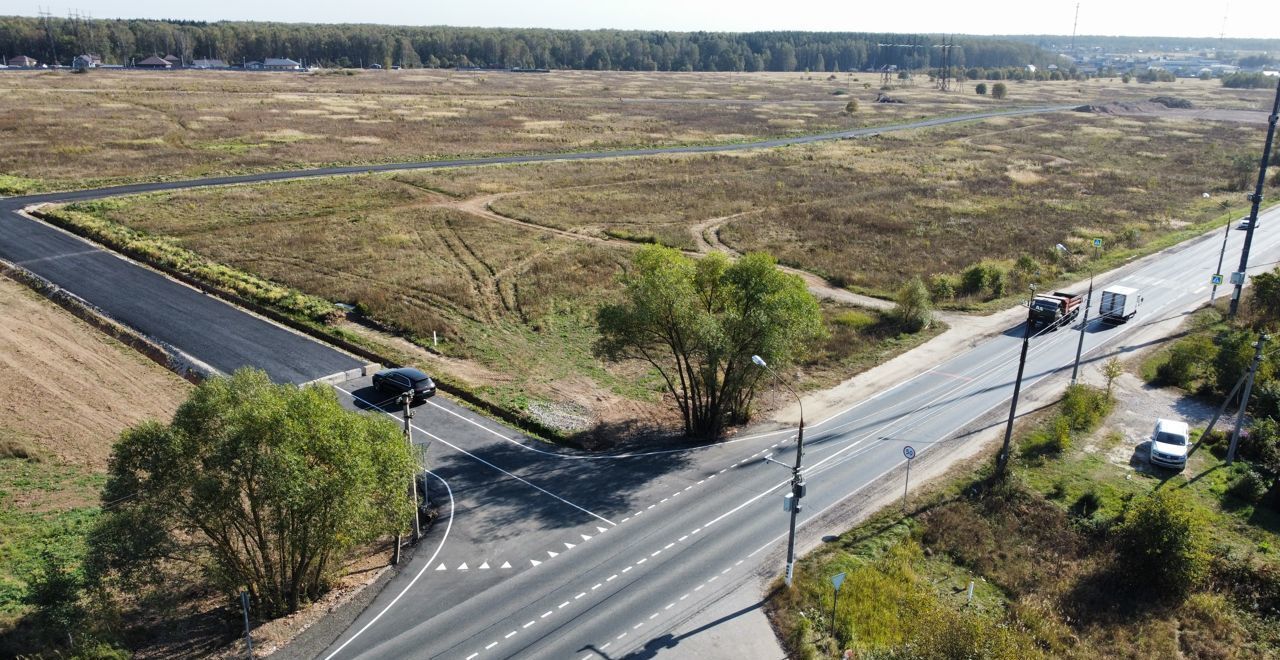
[(1097, 242), (836, 581), (1216, 280), (910, 453)]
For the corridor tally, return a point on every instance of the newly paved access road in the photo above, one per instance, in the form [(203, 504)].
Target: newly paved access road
[(625, 549)]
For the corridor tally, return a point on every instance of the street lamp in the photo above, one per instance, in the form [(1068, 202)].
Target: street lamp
[(1088, 302), (797, 481)]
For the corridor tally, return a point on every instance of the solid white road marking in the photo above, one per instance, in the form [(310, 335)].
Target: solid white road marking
[(472, 656), (511, 634), (682, 538), (627, 569), (611, 578), (598, 585), (642, 560), (546, 614), (491, 645), (653, 616), (529, 624), (577, 597)]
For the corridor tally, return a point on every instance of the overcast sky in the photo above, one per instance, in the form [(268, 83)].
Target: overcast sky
[(1179, 18)]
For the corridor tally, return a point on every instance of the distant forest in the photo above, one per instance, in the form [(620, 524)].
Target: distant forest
[(120, 41)]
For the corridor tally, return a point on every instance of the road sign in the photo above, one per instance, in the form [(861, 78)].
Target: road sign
[(1097, 242), (837, 580), (909, 452), (1216, 279)]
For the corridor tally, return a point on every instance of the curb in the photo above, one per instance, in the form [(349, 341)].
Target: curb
[(343, 376), (159, 352)]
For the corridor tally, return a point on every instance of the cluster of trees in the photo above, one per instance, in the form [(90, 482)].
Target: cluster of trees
[(1244, 80), (120, 41), (255, 486)]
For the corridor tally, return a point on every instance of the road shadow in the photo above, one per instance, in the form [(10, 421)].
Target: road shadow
[(551, 491), (668, 641)]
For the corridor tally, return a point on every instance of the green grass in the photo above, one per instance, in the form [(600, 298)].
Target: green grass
[(43, 505), (1034, 556), (15, 185)]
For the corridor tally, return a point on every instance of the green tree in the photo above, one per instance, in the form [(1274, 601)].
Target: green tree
[(699, 322), (1235, 353), (1264, 297), (999, 90), (981, 89), (914, 308), (259, 485), (1162, 544), (1111, 370)]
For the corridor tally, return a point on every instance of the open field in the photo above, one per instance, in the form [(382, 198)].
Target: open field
[(66, 394), (506, 265), (63, 130), (864, 213)]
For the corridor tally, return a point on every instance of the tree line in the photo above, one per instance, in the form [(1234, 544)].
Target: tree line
[(120, 41)]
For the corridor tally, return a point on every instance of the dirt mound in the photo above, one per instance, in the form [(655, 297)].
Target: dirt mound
[(1120, 108), (1172, 102)]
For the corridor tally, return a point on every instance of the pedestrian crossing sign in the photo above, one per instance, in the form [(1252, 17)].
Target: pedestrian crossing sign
[(1216, 279)]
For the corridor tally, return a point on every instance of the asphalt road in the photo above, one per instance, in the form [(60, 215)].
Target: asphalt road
[(626, 548)]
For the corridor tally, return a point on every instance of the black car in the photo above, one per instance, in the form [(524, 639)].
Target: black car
[(405, 379)]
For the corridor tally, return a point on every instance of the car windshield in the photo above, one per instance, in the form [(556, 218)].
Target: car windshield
[(1047, 305), (1167, 438)]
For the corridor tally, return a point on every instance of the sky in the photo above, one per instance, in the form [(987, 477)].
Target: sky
[(1173, 18)]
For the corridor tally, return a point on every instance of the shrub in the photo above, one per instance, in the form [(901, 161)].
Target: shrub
[(981, 89), (1084, 407), (913, 309), (1187, 362), (999, 90), (943, 287), (982, 277), (1162, 545), (1246, 80), (851, 107), (1248, 485)]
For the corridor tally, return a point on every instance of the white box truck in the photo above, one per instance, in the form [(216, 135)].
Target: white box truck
[(1119, 304)]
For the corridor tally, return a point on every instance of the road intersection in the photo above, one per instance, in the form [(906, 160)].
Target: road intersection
[(548, 552)]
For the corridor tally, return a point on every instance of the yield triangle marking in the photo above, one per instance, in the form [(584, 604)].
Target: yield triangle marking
[(585, 537), (484, 566), (553, 554), (602, 529), (463, 567), (505, 564), (441, 567), (535, 562), (568, 545)]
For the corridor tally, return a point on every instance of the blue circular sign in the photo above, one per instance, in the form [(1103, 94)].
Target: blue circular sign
[(909, 452)]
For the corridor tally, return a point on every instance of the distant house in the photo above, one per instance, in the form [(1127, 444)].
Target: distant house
[(173, 60), (154, 62), (281, 64), (22, 61), (253, 66), (208, 64)]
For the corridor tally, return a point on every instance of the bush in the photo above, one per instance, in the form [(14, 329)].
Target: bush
[(1187, 362), (983, 277), (1084, 407), (981, 89), (1245, 80), (943, 287), (1248, 485), (999, 91), (1162, 545), (851, 107), (913, 309)]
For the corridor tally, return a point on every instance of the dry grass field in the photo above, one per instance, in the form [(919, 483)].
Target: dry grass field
[(507, 264), (63, 131)]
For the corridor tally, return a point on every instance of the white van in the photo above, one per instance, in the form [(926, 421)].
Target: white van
[(1169, 444)]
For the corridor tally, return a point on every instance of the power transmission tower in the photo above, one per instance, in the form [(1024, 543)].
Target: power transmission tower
[(46, 20), (944, 72), (1074, 23)]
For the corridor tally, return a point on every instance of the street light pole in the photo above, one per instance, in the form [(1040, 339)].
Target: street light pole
[(405, 400), (1088, 302), (1002, 461), (797, 480)]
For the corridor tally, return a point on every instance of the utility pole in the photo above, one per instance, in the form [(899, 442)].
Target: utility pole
[(1002, 461), (797, 479), (1088, 302), (1256, 199), (405, 400), (1244, 400)]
